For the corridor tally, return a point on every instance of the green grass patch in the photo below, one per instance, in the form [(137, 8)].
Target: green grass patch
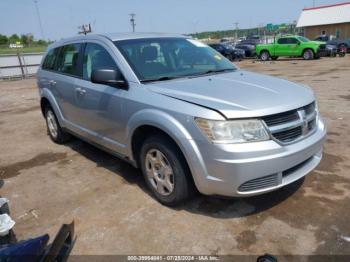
[(31, 49)]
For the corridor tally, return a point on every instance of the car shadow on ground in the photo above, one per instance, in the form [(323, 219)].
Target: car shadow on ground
[(225, 208), (286, 59), (213, 206)]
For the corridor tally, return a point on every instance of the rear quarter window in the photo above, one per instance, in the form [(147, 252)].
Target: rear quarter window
[(50, 59)]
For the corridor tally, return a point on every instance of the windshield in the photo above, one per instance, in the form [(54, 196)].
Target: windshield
[(303, 39), (156, 59)]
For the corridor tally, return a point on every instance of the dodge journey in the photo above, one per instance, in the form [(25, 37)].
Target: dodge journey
[(182, 113)]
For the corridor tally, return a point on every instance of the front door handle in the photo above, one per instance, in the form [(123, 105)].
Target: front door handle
[(80, 91)]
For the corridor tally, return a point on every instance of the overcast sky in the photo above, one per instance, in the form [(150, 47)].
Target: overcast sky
[(60, 18)]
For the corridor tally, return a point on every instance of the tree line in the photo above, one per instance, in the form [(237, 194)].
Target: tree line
[(287, 29), (25, 39)]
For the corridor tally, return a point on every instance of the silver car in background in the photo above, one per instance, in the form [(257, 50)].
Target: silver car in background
[(182, 113)]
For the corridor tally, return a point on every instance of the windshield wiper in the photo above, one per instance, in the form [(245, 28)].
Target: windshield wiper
[(214, 71), (163, 78)]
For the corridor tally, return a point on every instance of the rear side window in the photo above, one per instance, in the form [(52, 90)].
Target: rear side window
[(96, 57), (68, 60), (49, 62), (283, 41)]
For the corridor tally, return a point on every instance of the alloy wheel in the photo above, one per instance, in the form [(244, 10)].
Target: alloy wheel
[(51, 123), (159, 172)]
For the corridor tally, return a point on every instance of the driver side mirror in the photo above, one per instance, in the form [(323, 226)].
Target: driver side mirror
[(110, 77)]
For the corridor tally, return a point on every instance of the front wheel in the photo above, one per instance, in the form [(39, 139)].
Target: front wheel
[(265, 56), (165, 171), (308, 54)]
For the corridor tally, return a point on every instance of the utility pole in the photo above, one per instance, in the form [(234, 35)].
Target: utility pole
[(132, 21), (236, 31), (84, 29), (39, 18)]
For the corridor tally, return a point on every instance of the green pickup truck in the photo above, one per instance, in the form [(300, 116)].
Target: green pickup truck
[(291, 46)]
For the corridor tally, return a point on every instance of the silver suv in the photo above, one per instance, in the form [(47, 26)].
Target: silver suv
[(182, 113)]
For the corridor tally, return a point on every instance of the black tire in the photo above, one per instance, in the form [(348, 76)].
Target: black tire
[(264, 55), (61, 136), (308, 54), (183, 186), (274, 58)]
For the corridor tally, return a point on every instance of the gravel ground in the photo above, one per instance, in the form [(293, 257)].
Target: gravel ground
[(49, 184)]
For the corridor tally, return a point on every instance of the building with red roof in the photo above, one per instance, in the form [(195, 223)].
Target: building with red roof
[(326, 20)]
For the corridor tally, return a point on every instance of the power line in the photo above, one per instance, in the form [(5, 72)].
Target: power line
[(132, 21), (39, 19)]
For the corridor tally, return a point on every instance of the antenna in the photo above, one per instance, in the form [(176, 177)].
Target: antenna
[(39, 19), (132, 21)]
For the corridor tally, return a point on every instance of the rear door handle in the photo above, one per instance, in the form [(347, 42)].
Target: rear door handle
[(80, 91)]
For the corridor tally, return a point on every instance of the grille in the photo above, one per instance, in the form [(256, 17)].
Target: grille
[(322, 47), (290, 126), (259, 183), (281, 118), (288, 135), (309, 109)]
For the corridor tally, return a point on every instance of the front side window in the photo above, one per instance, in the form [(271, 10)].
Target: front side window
[(68, 59), (293, 41), (96, 57), (49, 62), (153, 59)]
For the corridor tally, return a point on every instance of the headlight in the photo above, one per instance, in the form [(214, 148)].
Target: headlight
[(235, 131)]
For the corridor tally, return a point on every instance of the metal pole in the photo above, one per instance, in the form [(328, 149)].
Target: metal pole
[(21, 65), (132, 21), (39, 18), (236, 31)]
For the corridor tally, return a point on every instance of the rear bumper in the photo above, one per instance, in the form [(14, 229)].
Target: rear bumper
[(256, 168)]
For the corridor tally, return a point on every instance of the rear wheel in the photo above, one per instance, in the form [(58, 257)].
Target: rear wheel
[(265, 56), (54, 129), (165, 171), (308, 54)]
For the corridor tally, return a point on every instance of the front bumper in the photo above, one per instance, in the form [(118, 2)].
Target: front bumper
[(322, 53), (255, 168)]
